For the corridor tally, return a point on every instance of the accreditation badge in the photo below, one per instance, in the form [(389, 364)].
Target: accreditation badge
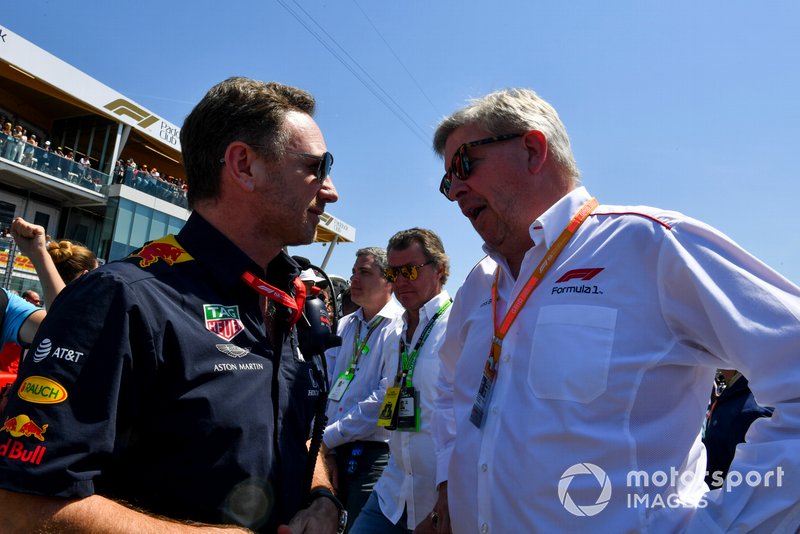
[(479, 409), (388, 413), (408, 410), (340, 386)]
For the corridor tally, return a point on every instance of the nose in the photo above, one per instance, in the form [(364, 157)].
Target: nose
[(328, 191), (457, 187)]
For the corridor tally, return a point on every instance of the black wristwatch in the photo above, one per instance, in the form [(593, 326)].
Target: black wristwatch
[(327, 494)]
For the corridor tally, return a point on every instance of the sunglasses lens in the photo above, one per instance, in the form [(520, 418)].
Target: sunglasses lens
[(409, 271), (324, 169), (390, 274), (461, 163), (444, 186)]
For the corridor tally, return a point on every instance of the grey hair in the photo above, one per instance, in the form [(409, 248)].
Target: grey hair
[(376, 252), (513, 110)]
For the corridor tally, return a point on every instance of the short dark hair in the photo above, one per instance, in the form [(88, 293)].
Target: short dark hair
[(431, 245), (242, 109)]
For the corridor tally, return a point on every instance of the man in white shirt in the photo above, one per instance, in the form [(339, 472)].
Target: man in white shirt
[(355, 446), (579, 352), (406, 492)]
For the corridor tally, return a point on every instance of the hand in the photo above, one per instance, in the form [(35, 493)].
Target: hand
[(322, 517), (438, 521), (30, 238)]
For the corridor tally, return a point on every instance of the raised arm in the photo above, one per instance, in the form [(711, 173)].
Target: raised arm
[(32, 242)]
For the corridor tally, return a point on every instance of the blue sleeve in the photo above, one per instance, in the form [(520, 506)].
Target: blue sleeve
[(17, 310)]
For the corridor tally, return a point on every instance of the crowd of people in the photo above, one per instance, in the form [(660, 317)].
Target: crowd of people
[(149, 180), (180, 389), (18, 146)]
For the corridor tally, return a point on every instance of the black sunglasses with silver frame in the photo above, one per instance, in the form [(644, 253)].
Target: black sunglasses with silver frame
[(323, 168)]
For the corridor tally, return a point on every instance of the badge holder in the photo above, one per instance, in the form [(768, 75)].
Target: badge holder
[(408, 416), (340, 386)]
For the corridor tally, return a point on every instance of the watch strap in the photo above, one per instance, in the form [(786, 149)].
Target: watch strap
[(328, 494)]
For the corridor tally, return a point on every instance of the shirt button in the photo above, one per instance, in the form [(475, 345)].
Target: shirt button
[(506, 358), (484, 528), (494, 410), (484, 467)]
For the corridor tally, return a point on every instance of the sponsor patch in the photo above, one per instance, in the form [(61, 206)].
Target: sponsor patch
[(17, 451), (43, 350), (22, 426), (241, 366), (41, 390), (223, 320), (165, 249), (62, 353), (234, 351), (580, 274)]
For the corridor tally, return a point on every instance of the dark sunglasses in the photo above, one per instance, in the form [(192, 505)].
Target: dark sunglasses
[(324, 166), (408, 271), (460, 166)]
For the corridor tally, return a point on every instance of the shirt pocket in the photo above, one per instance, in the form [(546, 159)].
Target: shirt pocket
[(571, 352)]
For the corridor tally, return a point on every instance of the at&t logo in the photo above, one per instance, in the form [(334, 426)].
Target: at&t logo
[(586, 509)]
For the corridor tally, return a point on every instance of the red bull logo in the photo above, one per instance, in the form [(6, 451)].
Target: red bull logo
[(41, 390), (22, 426), (17, 451), (165, 249)]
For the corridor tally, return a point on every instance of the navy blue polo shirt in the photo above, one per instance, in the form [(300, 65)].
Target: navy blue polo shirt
[(153, 381)]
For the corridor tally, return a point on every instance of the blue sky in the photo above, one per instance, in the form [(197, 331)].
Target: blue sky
[(692, 106)]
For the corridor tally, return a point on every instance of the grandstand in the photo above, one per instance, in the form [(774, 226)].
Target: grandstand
[(104, 170)]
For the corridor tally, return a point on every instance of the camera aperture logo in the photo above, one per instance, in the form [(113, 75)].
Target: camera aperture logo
[(583, 469)]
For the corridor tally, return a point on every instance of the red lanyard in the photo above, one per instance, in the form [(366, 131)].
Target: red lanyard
[(295, 304), (513, 311)]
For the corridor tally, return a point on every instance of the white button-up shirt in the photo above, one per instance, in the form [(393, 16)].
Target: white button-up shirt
[(604, 378), (409, 481), (355, 416)]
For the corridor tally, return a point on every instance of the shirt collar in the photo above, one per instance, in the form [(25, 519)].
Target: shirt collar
[(549, 225), (225, 261), (430, 308), (391, 310)]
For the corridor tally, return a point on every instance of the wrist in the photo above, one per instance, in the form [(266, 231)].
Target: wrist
[(324, 493)]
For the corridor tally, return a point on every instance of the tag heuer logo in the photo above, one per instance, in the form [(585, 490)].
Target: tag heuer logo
[(223, 320)]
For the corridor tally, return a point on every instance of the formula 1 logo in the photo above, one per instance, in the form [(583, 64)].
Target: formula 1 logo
[(580, 274), (122, 107)]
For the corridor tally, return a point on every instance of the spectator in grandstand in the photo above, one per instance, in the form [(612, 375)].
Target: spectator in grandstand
[(28, 150), (85, 164), (119, 171), (57, 263), (22, 144), (45, 155), (6, 137)]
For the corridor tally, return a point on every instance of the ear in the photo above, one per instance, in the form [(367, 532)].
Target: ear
[(238, 162), (536, 143)]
